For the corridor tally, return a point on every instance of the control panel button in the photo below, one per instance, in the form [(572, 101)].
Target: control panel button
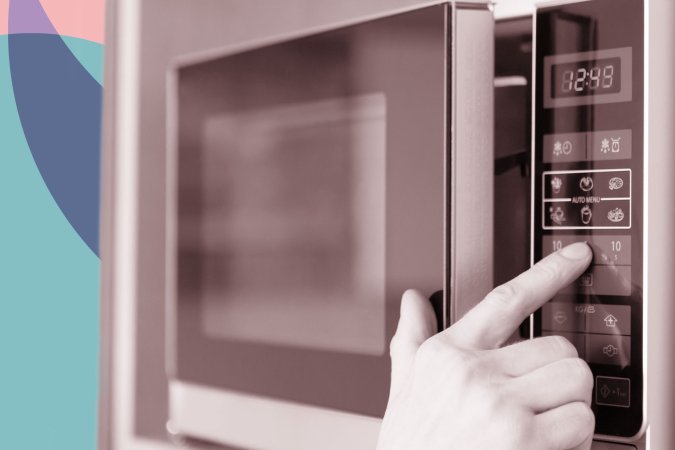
[(612, 213), (568, 147), (602, 280), (608, 349), (610, 145), (611, 250), (607, 249), (587, 213), (578, 340), (557, 185), (561, 317), (590, 199), (612, 391), (594, 318), (603, 184), (609, 319), (559, 215), (612, 183)]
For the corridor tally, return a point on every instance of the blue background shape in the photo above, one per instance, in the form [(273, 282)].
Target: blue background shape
[(59, 104), (49, 287)]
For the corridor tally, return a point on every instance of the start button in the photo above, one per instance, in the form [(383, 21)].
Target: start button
[(612, 391)]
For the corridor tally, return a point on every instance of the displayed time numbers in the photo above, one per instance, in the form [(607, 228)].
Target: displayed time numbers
[(590, 77)]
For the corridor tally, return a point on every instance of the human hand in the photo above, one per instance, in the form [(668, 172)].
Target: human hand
[(459, 389)]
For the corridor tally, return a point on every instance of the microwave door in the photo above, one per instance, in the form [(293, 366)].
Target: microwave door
[(308, 188)]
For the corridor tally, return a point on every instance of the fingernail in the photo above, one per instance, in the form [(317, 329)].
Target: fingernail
[(578, 250)]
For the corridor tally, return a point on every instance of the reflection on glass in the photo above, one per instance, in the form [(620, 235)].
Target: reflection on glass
[(291, 231)]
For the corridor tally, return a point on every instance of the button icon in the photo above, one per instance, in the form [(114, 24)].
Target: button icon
[(586, 184), (604, 146), (557, 215), (610, 321), (615, 183), (586, 215), (616, 145), (586, 280), (610, 350), (560, 317), (562, 148), (556, 184), (615, 215)]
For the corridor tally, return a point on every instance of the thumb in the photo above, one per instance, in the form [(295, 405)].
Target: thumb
[(416, 324), (587, 444)]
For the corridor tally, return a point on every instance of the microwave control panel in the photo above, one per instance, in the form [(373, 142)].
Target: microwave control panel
[(588, 186)]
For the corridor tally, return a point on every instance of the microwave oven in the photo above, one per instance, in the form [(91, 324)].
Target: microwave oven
[(313, 178), (265, 207)]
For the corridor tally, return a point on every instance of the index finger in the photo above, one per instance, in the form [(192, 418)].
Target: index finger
[(490, 323)]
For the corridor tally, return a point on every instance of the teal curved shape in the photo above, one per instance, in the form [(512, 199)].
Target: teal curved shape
[(49, 304), (89, 54)]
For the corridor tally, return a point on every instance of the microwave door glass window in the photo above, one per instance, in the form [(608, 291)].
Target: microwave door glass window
[(291, 229)]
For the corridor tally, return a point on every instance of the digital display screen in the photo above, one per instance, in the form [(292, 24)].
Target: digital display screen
[(589, 77)]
